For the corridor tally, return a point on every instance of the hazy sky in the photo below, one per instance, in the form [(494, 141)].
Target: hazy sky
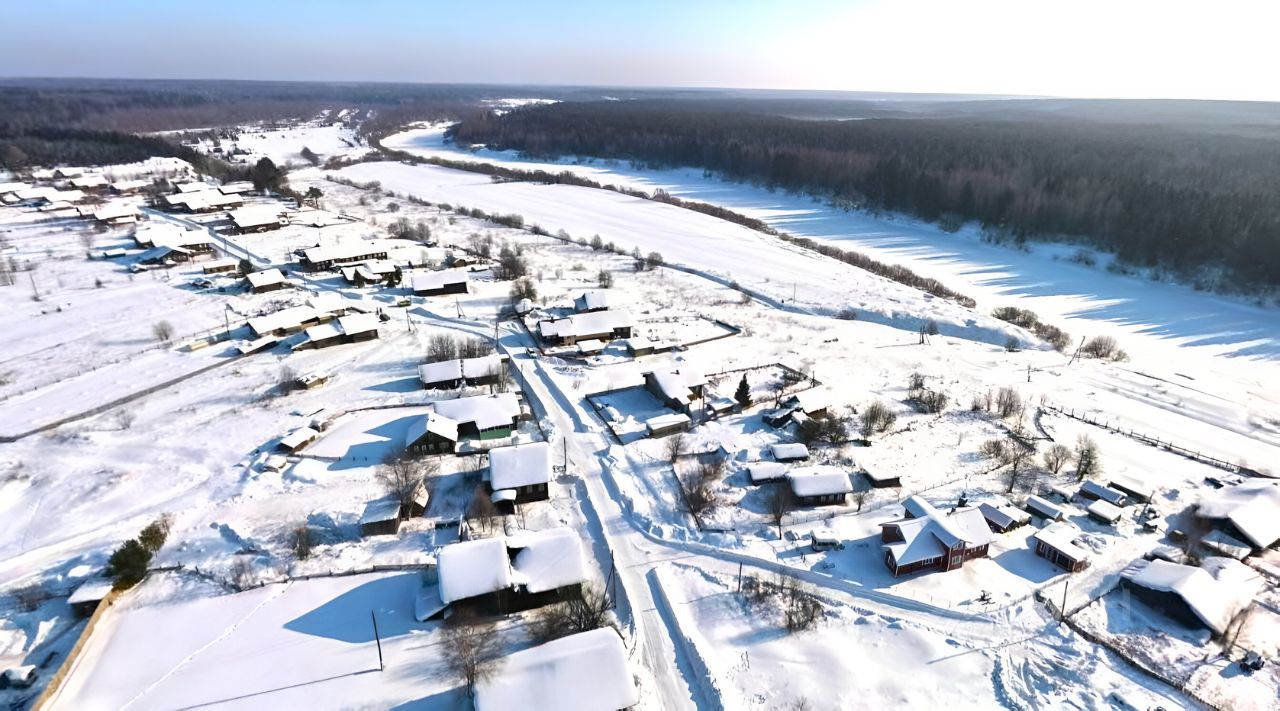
[(1218, 49)]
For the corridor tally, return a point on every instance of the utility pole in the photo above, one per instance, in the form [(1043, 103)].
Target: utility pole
[(378, 639), (1062, 610), (227, 319), (1077, 353), (35, 293), (1028, 372)]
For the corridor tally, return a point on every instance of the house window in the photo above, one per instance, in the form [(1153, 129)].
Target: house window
[(957, 559)]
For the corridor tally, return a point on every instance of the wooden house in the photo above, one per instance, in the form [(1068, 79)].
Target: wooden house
[(1056, 544), (439, 283), (597, 325), (431, 434), (930, 539), (820, 485), (676, 388), (524, 470)]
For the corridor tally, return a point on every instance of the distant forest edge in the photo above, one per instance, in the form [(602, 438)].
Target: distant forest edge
[(1199, 202)]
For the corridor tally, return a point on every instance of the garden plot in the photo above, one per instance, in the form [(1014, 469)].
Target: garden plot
[(682, 331), (627, 410), (221, 654)]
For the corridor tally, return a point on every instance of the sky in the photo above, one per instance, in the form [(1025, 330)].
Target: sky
[(1193, 49)]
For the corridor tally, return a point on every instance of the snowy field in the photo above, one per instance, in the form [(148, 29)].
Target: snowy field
[(196, 451)]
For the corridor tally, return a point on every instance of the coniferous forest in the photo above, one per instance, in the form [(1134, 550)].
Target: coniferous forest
[(1197, 197)]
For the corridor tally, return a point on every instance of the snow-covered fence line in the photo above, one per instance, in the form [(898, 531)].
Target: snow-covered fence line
[(73, 657), (288, 578), (1166, 445), (119, 401)]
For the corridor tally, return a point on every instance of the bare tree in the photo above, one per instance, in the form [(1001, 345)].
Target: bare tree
[(125, 418), (481, 507), (1008, 403), (441, 346), (582, 614), (403, 478), (1088, 462), (1056, 457), (471, 647), (674, 447), (877, 417), (863, 497), (163, 331), (781, 502), (801, 609), (698, 492)]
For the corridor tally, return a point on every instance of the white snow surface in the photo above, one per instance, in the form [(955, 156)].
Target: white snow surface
[(582, 672)]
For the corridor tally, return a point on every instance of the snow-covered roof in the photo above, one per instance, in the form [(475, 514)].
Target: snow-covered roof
[(813, 399), (1098, 491), (1214, 593), (819, 480), (1105, 511), (286, 318), (349, 250), (1130, 483), (256, 215), (190, 187), (298, 437), (89, 181), (789, 450), (485, 411), (322, 332), (13, 187), (378, 510), (677, 383), (355, 324), (328, 302), (1044, 508), (1253, 507), (92, 590), (266, 277), (434, 423), (548, 559), (588, 324), (521, 465), (1003, 515), (594, 300), (766, 471), (209, 199), (671, 419), (1061, 536), (428, 281), (932, 532), (582, 672), (370, 269), (446, 371), (472, 568), (115, 211), (593, 345), (125, 185), (242, 186)]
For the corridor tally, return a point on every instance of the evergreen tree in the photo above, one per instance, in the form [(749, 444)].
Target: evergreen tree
[(743, 394)]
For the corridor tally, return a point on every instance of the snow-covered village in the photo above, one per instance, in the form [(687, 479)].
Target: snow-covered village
[(330, 406)]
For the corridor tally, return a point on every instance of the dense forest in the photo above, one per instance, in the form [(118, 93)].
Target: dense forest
[(1178, 196)]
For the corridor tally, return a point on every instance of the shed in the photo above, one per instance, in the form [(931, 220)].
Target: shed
[(381, 517), (1003, 518), (819, 485), (1136, 489), (438, 283), (1056, 544), (765, 472), (298, 439), (266, 280), (1043, 509), (880, 479), (86, 598), (1208, 597), (1094, 491), (789, 451), (219, 266), (1103, 512), (668, 424)]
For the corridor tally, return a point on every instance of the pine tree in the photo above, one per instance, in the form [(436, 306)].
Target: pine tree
[(743, 395)]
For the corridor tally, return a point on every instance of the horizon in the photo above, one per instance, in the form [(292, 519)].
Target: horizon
[(1143, 50)]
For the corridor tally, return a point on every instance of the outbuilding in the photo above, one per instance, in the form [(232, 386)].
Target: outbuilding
[(821, 485), (1093, 491), (86, 598), (881, 479), (1103, 512), (439, 283), (260, 282), (668, 424), (1056, 544), (789, 452), (1043, 509), (1002, 518)]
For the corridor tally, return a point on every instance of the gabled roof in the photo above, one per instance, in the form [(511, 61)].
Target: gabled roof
[(677, 383), (435, 424), (256, 215), (298, 437), (789, 450), (1099, 491), (813, 399), (346, 251), (447, 371), (286, 318), (266, 277), (521, 465), (1253, 507), (428, 281), (548, 559), (593, 300), (820, 480), (1105, 511), (1214, 593), (1044, 508), (1061, 537), (485, 411), (378, 510), (356, 324), (766, 471), (473, 568), (92, 590), (582, 672), (1003, 515), (932, 532), (589, 324)]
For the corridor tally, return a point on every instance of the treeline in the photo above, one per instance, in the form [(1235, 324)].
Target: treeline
[(1173, 197), (894, 272), (46, 146)]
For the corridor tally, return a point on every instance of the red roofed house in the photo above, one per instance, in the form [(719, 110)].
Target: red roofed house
[(929, 539)]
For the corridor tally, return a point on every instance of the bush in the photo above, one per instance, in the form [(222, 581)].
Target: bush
[(877, 417), (155, 534), (163, 331), (847, 314), (1008, 403), (523, 288), (1104, 347), (605, 279), (802, 609), (930, 401), (654, 260), (302, 541), (128, 564), (587, 612)]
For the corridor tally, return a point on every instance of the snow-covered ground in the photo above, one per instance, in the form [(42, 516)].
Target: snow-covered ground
[(195, 451)]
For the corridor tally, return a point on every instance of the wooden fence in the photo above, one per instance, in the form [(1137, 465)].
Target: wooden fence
[(1166, 445)]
